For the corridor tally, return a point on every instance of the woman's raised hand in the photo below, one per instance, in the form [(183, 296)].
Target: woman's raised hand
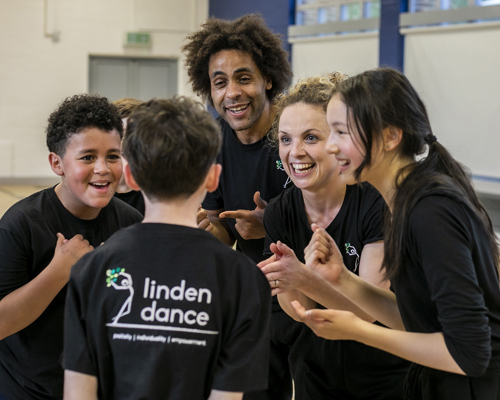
[(283, 269)]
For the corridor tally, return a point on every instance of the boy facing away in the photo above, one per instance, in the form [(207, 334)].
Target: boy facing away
[(164, 310), (42, 236)]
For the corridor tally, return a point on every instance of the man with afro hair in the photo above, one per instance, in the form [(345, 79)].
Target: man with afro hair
[(240, 67)]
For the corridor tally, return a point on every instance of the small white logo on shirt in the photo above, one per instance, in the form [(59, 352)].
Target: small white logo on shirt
[(279, 165), (351, 250), (125, 284)]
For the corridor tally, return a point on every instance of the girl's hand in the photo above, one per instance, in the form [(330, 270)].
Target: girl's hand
[(323, 256), (329, 324)]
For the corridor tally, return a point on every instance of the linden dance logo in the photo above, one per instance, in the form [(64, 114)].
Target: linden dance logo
[(118, 279), (351, 250), (125, 283), (279, 165)]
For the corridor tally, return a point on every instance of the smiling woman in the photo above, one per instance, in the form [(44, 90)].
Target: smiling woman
[(303, 132), (353, 215)]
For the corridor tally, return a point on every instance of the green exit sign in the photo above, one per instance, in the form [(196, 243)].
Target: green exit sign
[(138, 39)]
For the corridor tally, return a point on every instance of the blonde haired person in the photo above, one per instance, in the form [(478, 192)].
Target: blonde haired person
[(324, 369), (132, 197)]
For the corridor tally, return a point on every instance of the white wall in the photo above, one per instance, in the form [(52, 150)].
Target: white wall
[(456, 70), (350, 54), (36, 73)]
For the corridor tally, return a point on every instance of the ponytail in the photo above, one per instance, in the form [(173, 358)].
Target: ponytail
[(438, 172)]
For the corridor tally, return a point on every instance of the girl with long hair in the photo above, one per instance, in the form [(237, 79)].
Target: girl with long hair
[(440, 250)]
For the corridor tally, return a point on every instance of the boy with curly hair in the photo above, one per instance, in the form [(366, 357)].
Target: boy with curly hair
[(164, 310), (240, 67), (43, 235)]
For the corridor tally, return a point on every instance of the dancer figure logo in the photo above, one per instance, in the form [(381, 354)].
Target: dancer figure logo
[(351, 250), (120, 280), (279, 165)]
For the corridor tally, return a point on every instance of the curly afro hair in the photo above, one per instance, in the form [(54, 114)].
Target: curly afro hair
[(249, 34), (77, 113)]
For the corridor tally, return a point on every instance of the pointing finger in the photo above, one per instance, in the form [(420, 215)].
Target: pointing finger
[(241, 214)]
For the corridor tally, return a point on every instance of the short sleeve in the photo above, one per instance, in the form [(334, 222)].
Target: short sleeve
[(244, 359), (441, 233), (373, 210), (14, 265), (76, 352)]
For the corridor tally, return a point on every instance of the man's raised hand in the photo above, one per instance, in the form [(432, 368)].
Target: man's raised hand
[(249, 222)]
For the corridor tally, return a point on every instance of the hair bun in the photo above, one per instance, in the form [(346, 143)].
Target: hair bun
[(430, 138)]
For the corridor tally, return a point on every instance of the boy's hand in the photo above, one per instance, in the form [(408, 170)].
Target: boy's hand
[(25, 304), (249, 222), (68, 252), (203, 221)]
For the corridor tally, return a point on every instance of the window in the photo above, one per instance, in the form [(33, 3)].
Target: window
[(371, 9), (449, 12), (312, 12), (432, 5), (350, 11), (327, 14)]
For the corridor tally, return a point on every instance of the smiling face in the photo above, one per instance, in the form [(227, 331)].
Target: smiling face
[(238, 90), (302, 134), (341, 142), (90, 170)]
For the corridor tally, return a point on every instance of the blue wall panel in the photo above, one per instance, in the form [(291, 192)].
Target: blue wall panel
[(278, 14), (391, 47)]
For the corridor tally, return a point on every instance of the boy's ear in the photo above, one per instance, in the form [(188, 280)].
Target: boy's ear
[(212, 179), (392, 137), (129, 179), (56, 164)]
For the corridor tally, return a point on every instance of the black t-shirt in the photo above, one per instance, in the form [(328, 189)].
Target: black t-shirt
[(133, 198), (324, 369), (30, 365), (246, 169), (358, 222), (450, 282), (153, 319)]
